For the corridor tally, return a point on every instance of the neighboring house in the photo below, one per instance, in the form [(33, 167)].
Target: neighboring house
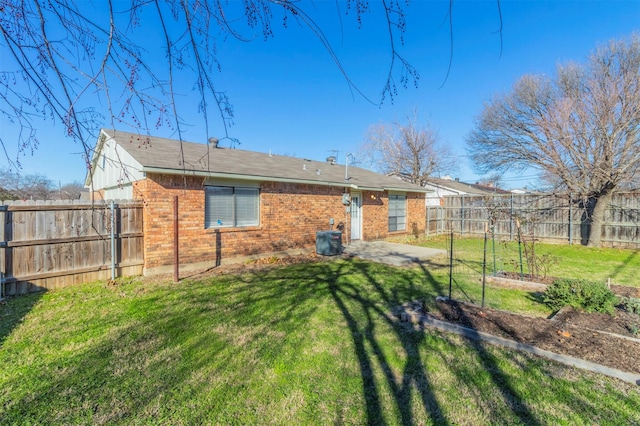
[(441, 187), (235, 203)]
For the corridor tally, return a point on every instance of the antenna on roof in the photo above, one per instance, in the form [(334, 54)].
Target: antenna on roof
[(346, 165)]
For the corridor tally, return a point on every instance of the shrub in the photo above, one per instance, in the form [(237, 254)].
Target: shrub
[(584, 295), (631, 304)]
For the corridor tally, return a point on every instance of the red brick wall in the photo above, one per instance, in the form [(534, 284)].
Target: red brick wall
[(375, 215), (416, 214), (290, 215), (157, 192)]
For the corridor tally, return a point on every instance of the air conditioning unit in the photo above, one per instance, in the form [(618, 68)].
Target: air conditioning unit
[(329, 243)]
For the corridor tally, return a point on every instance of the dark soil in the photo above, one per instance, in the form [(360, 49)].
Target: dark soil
[(581, 335)]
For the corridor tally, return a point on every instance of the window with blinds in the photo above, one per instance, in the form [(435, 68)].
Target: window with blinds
[(397, 212), (226, 206)]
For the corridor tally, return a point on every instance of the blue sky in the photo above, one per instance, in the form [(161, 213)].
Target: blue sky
[(290, 98)]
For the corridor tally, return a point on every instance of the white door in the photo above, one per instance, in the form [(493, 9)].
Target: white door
[(356, 215)]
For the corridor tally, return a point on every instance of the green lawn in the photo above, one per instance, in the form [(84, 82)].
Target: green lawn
[(302, 344), (570, 261)]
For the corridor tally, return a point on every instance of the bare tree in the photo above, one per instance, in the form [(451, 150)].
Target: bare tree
[(14, 186), (70, 191), (411, 150), (581, 129), (493, 179), (68, 61)]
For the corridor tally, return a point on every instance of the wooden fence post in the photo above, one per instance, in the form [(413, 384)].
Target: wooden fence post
[(176, 242), (6, 258), (570, 218), (462, 215), (511, 220)]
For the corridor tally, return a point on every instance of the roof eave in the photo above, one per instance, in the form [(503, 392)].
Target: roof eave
[(397, 189), (254, 178)]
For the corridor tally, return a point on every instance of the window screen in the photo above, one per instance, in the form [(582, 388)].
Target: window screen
[(230, 206), (397, 212)]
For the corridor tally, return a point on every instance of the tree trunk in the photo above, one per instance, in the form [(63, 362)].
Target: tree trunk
[(596, 216)]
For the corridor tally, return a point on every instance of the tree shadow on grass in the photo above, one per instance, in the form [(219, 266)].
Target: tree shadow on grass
[(502, 381), (13, 310), (625, 264), (188, 338), (362, 324), (195, 348), (379, 304)]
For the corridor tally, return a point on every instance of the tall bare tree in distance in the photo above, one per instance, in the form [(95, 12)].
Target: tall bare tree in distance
[(14, 186), (580, 129), (411, 150)]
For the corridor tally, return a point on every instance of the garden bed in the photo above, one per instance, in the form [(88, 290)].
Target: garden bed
[(512, 280), (598, 338)]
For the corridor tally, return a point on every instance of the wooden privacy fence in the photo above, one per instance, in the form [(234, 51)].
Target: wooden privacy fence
[(547, 217), (52, 244)]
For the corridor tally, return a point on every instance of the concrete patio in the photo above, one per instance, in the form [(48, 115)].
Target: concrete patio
[(391, 253)]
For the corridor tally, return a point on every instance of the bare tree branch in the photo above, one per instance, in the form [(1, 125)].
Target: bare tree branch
[(409, 150), (72, 60), (580, 129)]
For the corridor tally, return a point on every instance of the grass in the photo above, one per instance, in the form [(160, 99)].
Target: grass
[(301, 344), (570, 261)]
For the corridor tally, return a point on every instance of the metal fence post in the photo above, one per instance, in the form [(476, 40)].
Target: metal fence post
[(451, 265), (484, 267), (112, 207)]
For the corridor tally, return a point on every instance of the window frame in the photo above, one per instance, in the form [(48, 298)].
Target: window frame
[(236, 197), (392, 213)]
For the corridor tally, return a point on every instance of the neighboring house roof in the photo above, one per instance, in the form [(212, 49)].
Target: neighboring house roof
[(169, 156), (463, 187)]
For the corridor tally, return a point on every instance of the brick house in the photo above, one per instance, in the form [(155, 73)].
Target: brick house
[(236, 203)]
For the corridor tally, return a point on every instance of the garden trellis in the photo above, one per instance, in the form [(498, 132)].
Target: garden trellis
[(548, 217)]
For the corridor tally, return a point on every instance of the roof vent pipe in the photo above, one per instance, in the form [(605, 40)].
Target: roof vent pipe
[(213, 142)]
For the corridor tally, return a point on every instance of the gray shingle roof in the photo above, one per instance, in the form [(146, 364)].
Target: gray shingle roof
[(169, 156), (467, 188)]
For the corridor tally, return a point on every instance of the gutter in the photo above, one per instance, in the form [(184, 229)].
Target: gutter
[(243, 177), (277, 179)]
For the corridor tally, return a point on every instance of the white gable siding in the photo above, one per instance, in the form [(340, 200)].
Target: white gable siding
[(124, 192), (433, 198), (114, 171)]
